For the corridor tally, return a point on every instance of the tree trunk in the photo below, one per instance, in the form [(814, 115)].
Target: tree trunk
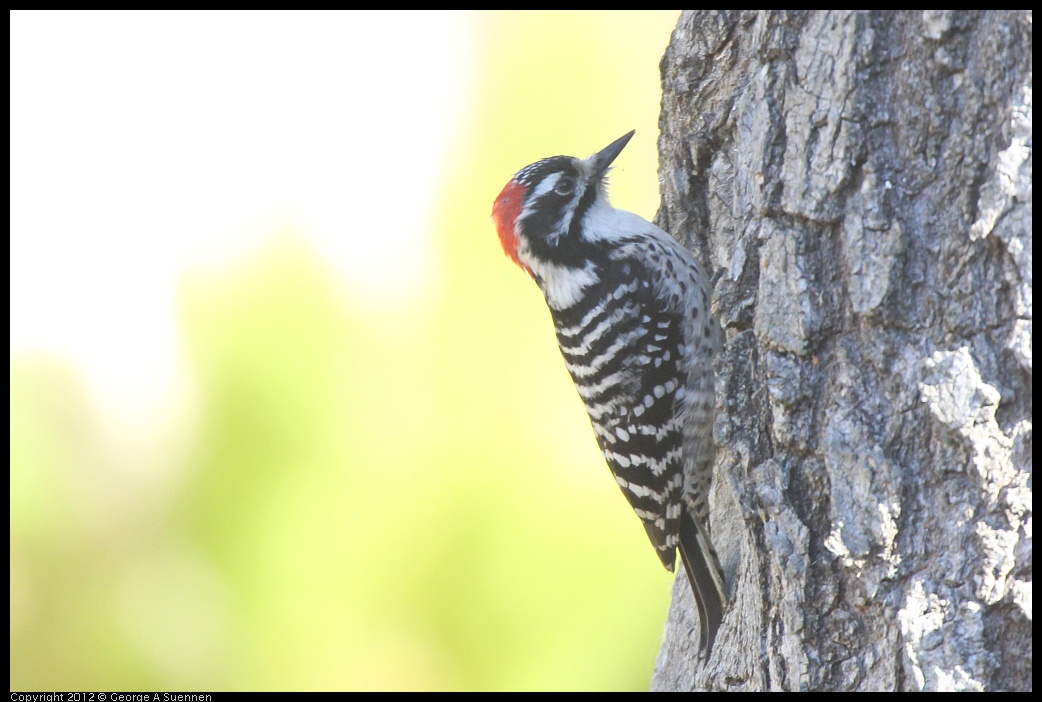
[(861, 183)]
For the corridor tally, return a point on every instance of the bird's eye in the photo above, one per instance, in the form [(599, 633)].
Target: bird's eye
[(565, 186)]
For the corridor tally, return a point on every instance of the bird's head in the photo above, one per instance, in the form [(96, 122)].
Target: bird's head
[(539, 214)]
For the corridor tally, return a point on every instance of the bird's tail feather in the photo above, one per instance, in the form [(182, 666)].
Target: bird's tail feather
[(706, 576)]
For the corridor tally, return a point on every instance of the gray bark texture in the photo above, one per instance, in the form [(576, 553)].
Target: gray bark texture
[(861, 184)]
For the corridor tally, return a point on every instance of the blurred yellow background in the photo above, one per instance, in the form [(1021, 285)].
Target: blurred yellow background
[(283, 416)]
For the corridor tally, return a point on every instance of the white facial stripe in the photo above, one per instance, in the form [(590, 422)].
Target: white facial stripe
[(547, 186)]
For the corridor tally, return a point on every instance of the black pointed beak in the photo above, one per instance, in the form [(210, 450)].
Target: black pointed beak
[(603, 158)]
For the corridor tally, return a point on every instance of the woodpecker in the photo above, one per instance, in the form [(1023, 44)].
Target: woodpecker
[(630, 306)]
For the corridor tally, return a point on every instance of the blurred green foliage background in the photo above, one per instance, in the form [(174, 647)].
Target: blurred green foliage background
[(359, 494)]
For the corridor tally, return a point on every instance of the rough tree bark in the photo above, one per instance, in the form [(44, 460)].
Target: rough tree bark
[(861, 182)]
